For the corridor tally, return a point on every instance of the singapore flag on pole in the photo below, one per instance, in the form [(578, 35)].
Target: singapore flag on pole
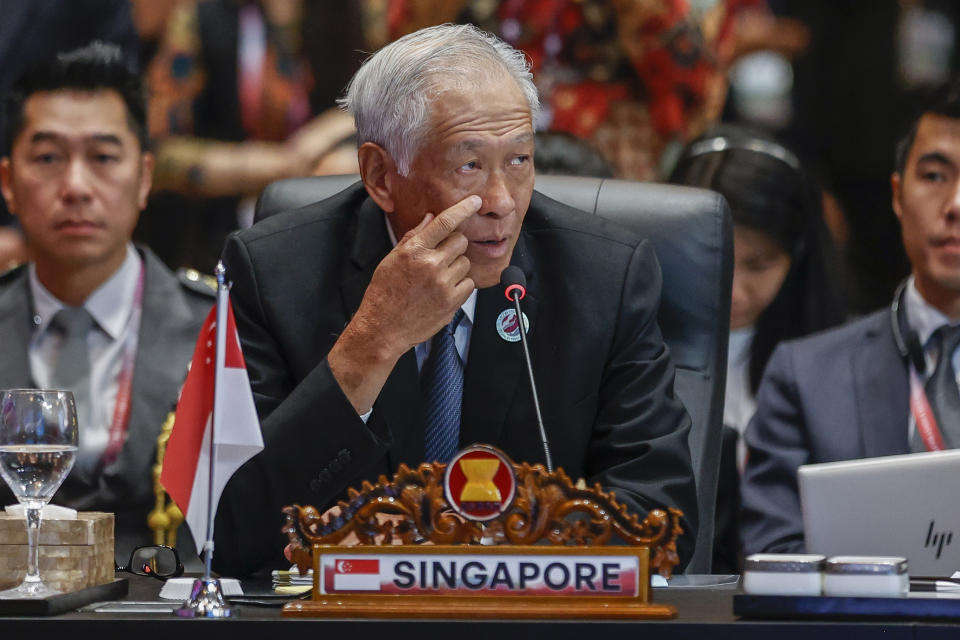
[(237, 437), (359, 574)]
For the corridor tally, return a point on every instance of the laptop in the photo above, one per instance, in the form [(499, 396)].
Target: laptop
[(905, 505)]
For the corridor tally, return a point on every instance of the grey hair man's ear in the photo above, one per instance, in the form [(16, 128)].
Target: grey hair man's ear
[(379, 174)]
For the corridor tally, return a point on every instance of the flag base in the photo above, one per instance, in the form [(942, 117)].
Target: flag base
[(206, 601)]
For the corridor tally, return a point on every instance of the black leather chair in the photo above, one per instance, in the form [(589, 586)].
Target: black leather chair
[(691, 233)]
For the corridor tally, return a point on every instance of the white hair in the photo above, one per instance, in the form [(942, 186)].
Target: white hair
[(389, 96)]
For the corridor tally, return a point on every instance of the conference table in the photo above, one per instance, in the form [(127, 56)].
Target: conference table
[(703, 612)]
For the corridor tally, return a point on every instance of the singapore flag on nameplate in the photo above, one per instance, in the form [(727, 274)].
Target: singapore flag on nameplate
[(237, 437), (360, 574)]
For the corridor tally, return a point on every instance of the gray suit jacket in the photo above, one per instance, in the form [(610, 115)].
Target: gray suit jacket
[(173, 311), (839, 395)]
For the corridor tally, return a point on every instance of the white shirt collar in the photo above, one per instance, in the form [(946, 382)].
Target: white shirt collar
[(468, 307), (110, 304), (738, 350), (923, 317), (393, 236)]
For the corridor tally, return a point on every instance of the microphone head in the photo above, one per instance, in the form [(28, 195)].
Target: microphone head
[(513, 280)]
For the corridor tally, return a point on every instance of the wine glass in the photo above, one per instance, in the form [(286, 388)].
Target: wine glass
[(38, 443)]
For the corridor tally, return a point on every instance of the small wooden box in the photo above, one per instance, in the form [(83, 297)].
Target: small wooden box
[(74, 554)]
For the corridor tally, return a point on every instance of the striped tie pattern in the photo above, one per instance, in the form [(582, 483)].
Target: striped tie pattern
[(442, 389)]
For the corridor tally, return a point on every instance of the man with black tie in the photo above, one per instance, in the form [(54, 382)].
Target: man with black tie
[(375, 333), (885, 384)]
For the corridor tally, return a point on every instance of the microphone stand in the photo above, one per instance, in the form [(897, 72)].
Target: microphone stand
[(515, 296)]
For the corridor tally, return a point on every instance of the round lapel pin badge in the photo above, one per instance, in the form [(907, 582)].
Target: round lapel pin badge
[(509, 328)]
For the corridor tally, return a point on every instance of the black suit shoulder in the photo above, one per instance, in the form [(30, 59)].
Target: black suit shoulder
[(597, 257), (288, 225), (593, 253), (311, 242), (547, 216)]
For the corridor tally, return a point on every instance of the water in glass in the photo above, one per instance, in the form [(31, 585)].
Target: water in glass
[(38, 443)]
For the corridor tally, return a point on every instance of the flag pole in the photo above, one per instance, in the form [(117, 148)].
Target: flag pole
[(220, 355), (206, 597)]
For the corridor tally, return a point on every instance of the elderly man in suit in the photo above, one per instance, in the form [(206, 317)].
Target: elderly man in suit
[(885, 384), (374, 330), (90, 312)]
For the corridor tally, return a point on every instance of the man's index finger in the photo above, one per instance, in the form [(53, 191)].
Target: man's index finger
[(448, 221)]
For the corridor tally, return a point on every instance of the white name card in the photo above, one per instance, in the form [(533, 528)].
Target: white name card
[(480, 573)]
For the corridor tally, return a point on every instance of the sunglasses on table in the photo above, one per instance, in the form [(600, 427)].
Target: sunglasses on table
[(156, 561)]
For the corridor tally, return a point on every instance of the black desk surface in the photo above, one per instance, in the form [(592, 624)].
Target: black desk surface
[(702, 613)]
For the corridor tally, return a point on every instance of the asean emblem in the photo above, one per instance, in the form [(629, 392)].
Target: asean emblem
[(509, 327), (479, 483)]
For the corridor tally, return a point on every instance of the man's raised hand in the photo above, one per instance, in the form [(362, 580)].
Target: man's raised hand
[(419, 285), (413, 293)]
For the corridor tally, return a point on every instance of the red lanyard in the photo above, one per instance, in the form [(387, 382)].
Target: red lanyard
[(926, 423), (121, 410)]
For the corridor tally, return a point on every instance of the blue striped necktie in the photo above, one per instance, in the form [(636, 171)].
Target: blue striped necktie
[(442, 392)]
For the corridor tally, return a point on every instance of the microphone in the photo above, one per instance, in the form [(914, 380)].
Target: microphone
[(515, 289)]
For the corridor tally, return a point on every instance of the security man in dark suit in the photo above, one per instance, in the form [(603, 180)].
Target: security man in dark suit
[(91, 312)]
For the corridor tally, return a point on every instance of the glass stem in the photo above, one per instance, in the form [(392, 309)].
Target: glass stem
[(33, 545)]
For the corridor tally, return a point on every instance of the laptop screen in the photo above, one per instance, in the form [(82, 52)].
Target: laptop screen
[(905, 505)]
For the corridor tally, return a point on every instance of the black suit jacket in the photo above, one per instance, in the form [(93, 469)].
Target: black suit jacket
[(603, 372), (838, 395)]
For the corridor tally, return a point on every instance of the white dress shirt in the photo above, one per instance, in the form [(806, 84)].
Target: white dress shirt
[(739, 403), (111, 306)]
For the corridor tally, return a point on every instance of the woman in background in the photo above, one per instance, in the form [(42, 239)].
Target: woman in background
[(787, 279)]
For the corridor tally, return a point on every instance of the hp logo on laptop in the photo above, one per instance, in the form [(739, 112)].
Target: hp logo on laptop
[(938, 540)]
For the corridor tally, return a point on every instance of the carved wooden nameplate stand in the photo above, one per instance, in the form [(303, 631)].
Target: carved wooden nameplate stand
[(539, 552)]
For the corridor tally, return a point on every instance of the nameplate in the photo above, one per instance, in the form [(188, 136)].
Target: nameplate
[(465, 571)]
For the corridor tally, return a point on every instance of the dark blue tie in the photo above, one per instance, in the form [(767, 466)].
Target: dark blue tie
[(442, 388)]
